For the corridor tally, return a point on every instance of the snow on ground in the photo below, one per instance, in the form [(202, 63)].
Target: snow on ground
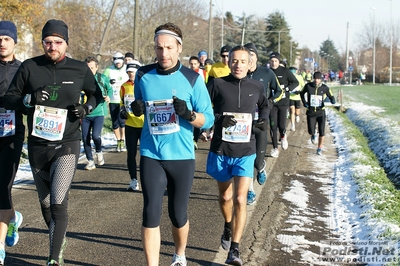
[(347, 217)]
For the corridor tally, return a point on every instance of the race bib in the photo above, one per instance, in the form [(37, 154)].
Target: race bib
[(128, 99), (115, 92), (49, 122), (240, 132), (7, 123), (161, 117), (316, 100)]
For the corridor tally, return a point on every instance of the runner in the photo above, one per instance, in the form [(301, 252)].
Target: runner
[(274, 94), (295, 100), (133, 124), (233, 148), (49, 87), (316, 93), (12, 133), (173, 99), (287, 81), (93, 123)]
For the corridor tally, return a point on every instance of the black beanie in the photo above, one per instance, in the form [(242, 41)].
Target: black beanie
[(317, 75), (275, 55), (225, 49), (55, 27), (252, 48)]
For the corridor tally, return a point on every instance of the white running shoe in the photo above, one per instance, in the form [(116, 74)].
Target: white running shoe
[(284, 142), (90, 165), (133, 185), (275, 153), (100, 158), (297, 119), (178, 260), (293, 128)]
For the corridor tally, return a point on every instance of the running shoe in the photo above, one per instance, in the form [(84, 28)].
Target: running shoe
[(262, 175), (53, 262), (284, 142), (100, 158), (234, 257), (251, 197), (178, 260), (293, 128), (60, 261), (12, 236), (123, 146), (2, 256), (133, 185), (275, 153), (90, 165), (314, 139), (226, 238), (319, 151), (118, 146), (297, 119)]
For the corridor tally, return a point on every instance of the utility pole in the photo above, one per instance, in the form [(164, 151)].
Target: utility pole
[(244, 28), (374, 51), (136, 30), (210, 46), (107, 29), (391, 46)]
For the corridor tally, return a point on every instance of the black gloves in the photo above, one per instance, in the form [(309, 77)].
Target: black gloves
[(181, 108), (123, 113), (39, 96), (261, 124), (81, 110), (112, 81), (137, 107), (226, 120)]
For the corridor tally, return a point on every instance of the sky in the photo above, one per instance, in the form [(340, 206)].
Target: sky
[(314, 21)]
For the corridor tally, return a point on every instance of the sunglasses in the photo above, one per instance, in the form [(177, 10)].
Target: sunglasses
[(49, 43), (224, 55)]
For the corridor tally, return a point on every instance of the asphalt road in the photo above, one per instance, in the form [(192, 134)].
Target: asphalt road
[(105, 218)]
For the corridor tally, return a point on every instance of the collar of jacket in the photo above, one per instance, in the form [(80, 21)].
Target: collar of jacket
[(169, 71)]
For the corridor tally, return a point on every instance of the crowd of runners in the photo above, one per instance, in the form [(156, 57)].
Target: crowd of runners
[(167, 107)]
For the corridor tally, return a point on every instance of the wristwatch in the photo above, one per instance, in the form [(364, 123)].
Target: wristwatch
[(192, 116)]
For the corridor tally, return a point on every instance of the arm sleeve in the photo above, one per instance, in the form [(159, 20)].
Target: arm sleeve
[(13, 98), (293, 82), (92, 89)]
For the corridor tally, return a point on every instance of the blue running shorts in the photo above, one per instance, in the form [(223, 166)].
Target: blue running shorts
[(222, 168)]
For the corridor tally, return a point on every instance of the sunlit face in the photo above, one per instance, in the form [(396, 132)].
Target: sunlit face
[(131, 75), (7, 46), (253, 61), (93, 66), (239, 63), (194, 64), (225, 58), (203, 58), (274, 63), (54, 48), (128, 60), (167, 51)]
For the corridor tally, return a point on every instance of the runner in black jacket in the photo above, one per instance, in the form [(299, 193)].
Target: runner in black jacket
[(49, 86), (287, 82), (316, 94), (274, 94), (12, 132), (232, 150)]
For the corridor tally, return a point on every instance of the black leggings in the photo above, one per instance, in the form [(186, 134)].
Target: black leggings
[(261, 146), (177, 176), (132, 136), (10, 154), (277, 119), (313, 119), (53, 168)]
